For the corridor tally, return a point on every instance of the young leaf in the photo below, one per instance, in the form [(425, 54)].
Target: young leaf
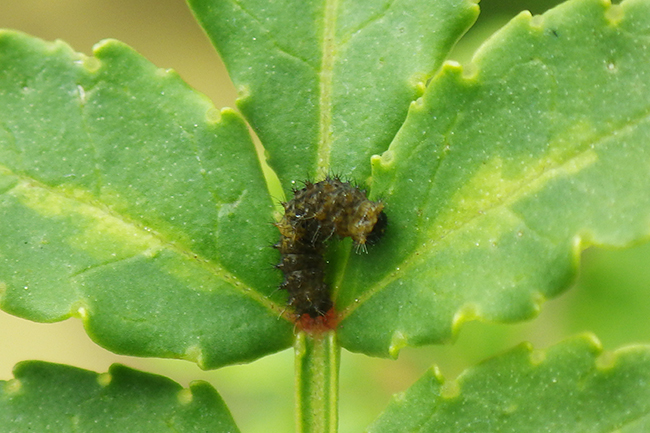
[(129, 201), (572, 387), (326, 84), (503, 172), (53, 397)]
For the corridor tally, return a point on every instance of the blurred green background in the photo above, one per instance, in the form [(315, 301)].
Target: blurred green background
[(608, 299)]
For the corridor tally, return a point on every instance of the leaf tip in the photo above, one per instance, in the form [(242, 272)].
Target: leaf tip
[(167, 74), (243, 94), (12, 387), (537, 356), (614, 14), (450, 389), (465, 313), (104, 379), (385, 160), (469, 72), (91, 64), (419, 83), (606, 361), (579, 243), (592, 342), (586, 342), (399, 398), (398, 341), (435, 372), (80, 310), (537, 299), (6, 35), (194, 353), (104, 45), (535, 22), (213, 115), (185, 397), (452, 66)]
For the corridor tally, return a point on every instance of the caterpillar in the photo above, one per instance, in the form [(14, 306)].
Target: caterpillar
[(316, 213)]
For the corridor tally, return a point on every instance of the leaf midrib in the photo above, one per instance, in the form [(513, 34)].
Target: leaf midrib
[(325, 88)]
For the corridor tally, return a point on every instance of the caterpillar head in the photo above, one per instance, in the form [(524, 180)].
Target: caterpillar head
[(368, 223)]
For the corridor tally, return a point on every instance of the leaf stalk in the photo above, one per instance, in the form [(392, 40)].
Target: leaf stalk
[(317, 382)]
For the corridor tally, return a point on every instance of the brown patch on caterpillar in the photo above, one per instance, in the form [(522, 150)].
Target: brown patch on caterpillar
[(318, 325), (317, 213)]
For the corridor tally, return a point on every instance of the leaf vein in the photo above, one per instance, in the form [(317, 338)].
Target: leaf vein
[(583, 159), (259, 22), (94, 267), (345, 39), (25, 182)]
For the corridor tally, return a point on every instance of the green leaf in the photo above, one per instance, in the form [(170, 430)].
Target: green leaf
[(326, 84), (53, 397), (503, 172), (572, 387), (130, 202)]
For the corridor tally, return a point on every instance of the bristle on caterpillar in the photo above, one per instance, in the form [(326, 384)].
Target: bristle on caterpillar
[(318, 212)]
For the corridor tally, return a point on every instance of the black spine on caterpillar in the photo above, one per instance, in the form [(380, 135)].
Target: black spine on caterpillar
[(315, 214)]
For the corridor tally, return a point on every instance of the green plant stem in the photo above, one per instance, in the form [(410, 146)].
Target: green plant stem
[(317, 382)]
